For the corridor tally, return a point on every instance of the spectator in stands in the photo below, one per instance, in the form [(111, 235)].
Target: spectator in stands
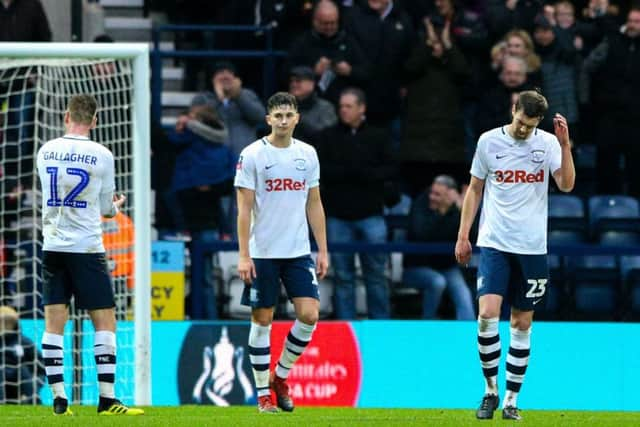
[(520, 44), (315, 113), (559, 70), (356, 161), (386, 36), (334, 55), (505, 15), (434, 136), (21, 21), (239, 108), (288, 19), (21, 374), (435, 217), (203, 173), (615, 68), (469, 33), (495, 105)]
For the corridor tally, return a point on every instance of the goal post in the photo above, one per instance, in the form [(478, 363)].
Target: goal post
[(67, 64)]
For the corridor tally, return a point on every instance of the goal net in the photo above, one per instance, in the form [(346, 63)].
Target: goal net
[(34, 91)]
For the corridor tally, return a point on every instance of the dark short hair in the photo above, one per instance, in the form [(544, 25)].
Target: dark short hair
[(224, 65), (280, 99), (361, 98), (532, 104)]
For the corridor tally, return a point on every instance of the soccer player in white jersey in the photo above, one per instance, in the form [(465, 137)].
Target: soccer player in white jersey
[(78, 183), (513, 165), (277, 181)]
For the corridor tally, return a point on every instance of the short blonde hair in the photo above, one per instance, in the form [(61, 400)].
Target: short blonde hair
[(82, 109)]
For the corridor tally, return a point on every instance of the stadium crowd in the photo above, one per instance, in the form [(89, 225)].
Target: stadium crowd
[(393, 94)]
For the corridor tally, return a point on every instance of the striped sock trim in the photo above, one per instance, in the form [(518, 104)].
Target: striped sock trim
[(53, 357), (104, 350), (294, 345), (518, 358), (260, 355)]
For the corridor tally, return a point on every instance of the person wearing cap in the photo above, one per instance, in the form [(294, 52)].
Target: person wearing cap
[(21, 375), (239, 108), (315, 113)]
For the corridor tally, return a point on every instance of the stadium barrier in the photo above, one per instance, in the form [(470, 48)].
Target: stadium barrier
[(387, 364), (200, 250)]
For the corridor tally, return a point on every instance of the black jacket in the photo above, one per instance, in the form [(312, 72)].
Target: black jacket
[(311, 46), (427, 225), (354, 167), (387, 44), (24, 21)]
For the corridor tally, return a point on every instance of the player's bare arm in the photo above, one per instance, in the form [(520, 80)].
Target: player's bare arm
[(246, 269), (469, 208), (315, 214), (565, 177)]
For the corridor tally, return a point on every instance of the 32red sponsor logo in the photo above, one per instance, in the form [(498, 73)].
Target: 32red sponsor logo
[(285, 184), (519, 176)]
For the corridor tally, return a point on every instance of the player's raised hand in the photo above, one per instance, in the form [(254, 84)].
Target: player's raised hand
[(118, 200), (463, 251), (246, 269), (561, 129), (322, 264)]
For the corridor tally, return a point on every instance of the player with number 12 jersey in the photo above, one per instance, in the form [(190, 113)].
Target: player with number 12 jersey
[(78, 179)]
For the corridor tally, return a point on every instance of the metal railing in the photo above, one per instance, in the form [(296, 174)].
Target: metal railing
[(200, 250), (269, 55)]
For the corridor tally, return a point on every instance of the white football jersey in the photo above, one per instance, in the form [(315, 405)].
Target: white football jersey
[(74, 173), (516, 174), (281, 179)]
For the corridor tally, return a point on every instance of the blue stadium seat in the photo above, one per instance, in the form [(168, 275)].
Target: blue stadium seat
[(595, 285), (566, 213), (619, 238), (613, 213)]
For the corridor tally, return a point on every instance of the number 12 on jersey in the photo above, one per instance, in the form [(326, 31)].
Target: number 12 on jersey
[(70, 199)]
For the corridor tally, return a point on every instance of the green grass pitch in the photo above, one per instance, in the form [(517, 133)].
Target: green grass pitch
[(195, 416)]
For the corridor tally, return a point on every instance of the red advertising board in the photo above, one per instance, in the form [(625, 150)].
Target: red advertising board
[(329, 371)]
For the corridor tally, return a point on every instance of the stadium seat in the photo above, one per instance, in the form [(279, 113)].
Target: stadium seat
[(566, 214), (595, 281), (613, 213), (619, 238)]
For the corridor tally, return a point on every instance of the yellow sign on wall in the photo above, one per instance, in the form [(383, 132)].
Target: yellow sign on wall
[(167, 281)]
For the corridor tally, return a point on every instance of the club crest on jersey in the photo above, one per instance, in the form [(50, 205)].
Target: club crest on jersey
[(301, 164), (537, 156)]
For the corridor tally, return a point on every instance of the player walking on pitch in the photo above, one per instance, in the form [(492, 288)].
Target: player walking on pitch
[(515, 161), (277, 181), (78, 183)]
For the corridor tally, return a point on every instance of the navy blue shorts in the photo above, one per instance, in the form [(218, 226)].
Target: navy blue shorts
[(521, 280), (83, 276), (298, 275)]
